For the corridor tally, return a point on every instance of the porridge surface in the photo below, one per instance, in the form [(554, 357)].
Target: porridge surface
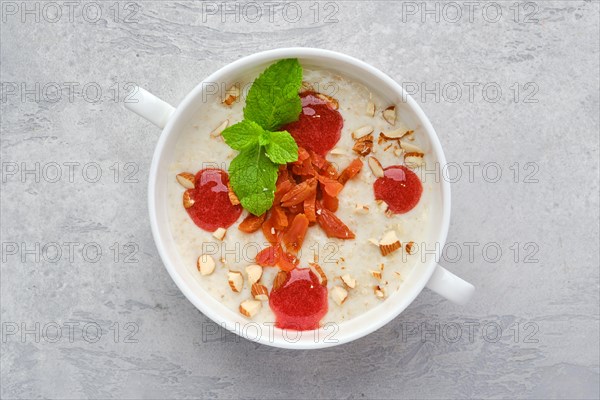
[(197, 149)]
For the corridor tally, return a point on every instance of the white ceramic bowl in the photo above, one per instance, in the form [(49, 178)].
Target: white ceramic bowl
[(173, 121)]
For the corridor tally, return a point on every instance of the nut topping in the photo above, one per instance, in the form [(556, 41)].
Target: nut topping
[(376, 167), (364, 145), (187, 199), (362, 131), (186, 180), (232, 94), (205, 264), (370, 109), (389, 243), (389, 114), (349, 281), (254, 273), (339, 295), (217, 131), (220, 233), (250, 308), (260, 292), (236, 280)]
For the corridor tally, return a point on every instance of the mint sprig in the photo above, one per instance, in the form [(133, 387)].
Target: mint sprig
[(272, 101)]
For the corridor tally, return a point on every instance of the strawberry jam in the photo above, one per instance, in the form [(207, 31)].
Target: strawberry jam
[(400, 188), (212, 208), (319, 126), (300, 302)]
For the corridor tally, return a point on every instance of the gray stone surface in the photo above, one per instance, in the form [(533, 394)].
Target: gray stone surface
[(532, 331)]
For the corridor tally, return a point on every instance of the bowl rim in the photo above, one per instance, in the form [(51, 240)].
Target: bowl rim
[(263, 57)]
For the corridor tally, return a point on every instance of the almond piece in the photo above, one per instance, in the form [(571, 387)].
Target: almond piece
[(409, 147), (379, 292), (395, 135), (254, 273), (339, 295), (362, 131), (219, 129), (376, 274), (370, 109), (376, 167), (205, 264), (232, 94), (410, 248), (414, 159), (236, 280), (389, 114), (331, 102), (349, 281), (259, 292), (389, 243), (279, 280), (318, 271), (187, 199), (220, 233), (250, 308), (364, 145), (186, 180), (361, 209)]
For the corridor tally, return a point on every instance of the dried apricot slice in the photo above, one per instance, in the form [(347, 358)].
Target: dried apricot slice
[(350, 171), (251, 223), (332, 225), (294, 235)]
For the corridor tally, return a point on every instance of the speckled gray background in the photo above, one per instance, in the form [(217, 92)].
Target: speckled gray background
[(532, 330)]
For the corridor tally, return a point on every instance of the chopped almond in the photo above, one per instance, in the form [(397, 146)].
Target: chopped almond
[(250, 308), (337, 151), (205, 264), (259, 292), (410, 248), (232, 94), (349, 281), (370, 109), (376, 274), (362, 131), (318, 271), (236, 280), (394, 135), (187, 199), (220, 233), (254, 273), (376, 167), (186, 180), (219, 129), (306, 87), (389, 114), (389, 243), (409, 147), (414, 159), (379, 292), (364, 145), (339, 295)]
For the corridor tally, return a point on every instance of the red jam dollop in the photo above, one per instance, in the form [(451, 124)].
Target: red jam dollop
[(400, 188), (301, 302), (212, 208), (319, 126)]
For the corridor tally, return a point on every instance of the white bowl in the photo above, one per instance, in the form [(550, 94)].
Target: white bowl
[(173, 121)]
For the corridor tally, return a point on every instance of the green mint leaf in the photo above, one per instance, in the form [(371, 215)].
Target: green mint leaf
[(242, 134), (273, 99), (282, 148), (253, 177)]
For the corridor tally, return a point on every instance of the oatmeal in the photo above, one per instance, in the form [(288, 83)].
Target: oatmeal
[(339, 236)]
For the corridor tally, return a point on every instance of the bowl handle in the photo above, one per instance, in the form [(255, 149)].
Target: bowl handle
[(150, 107), (450, 286)]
